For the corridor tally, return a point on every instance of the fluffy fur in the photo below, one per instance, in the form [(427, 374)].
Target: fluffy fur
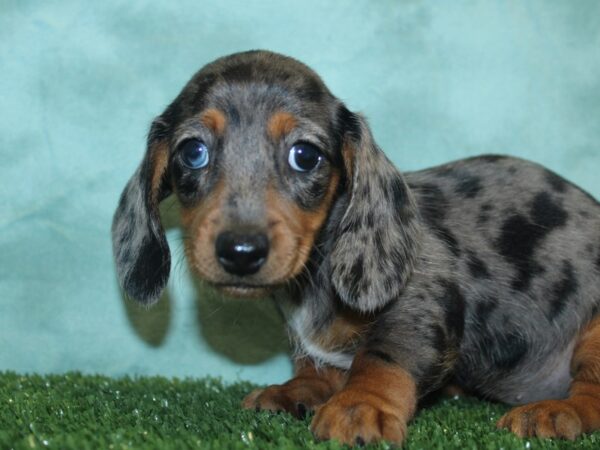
[(484, 272)]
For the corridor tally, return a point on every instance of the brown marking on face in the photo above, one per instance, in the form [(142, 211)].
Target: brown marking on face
[(292, 233), (580, 412), (294, 230), (310, 387), (159, 161), (280, 124), (376, 404), (214, 120), (201, 225), (348, 156)]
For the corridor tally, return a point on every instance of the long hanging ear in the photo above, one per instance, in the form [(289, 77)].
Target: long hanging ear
[(377, 240), (140, 247)]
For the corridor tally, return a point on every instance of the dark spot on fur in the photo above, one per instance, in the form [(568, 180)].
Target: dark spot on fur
[(596, 308), (556, 182), (433, 203), (507, 350), (159, 130), (453, 303), (348, 124), (434, 371), (316, 191), (520, 237), (379, 354), (151, 270), (398, 191), (233, 115), (187, 183), (238, 72), (491, 158), (469, 186), (449, 239), (545, 212), (355, 275), (484, 309), (311, 91), (563, 289), (350, 225), (433, 208), (369, 220), (438, 341), (518, 241), (484, 215), (233, 200), (196, 98), (477, 267), (379, 243)]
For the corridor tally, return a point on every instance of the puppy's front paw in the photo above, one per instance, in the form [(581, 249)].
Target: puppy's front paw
[(546, 419), (355, 417), (296, 400)]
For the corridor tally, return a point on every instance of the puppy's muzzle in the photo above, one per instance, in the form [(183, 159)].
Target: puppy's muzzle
[(241, 254)]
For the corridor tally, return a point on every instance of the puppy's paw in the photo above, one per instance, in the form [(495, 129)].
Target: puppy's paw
[(296, 400), (355, 417), (546, 419)]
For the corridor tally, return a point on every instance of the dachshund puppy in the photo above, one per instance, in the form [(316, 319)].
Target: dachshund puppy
[(483, 273)]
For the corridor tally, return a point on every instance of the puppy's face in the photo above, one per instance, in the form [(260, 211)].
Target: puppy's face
[(255, 164), (258, 150)]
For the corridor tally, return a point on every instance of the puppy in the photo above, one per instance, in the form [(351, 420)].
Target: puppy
[(484, 273)]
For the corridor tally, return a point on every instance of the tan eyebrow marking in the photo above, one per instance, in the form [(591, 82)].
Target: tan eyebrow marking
[(215, 120), (280, 124), (160, 160)]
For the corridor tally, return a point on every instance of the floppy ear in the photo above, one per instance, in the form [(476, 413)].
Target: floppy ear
[(140, 247), (377, 240)]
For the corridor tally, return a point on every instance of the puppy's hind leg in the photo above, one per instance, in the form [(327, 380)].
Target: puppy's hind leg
[(580, 412)]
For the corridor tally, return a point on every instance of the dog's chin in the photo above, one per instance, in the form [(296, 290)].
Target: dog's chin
[(243, 291)]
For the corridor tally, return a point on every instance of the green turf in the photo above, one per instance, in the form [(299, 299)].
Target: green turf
[(79, 412)]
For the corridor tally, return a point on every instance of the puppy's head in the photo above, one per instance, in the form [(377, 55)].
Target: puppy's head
[(257, 150)]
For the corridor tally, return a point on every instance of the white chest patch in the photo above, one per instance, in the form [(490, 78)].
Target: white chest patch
[(299, 320)]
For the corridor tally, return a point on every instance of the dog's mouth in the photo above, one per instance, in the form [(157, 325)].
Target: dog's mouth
[(244, 290)]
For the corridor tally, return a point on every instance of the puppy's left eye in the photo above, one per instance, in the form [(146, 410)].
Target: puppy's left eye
[(304, 157)]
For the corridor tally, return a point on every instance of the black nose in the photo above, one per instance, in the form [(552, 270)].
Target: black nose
[(241, 254)]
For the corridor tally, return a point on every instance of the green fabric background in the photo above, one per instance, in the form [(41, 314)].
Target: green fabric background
[(81, 81)]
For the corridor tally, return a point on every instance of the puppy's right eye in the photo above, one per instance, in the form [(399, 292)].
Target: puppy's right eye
[(304, 157), (194, 154)]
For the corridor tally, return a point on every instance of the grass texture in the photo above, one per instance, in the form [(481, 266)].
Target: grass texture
[(74, 411)]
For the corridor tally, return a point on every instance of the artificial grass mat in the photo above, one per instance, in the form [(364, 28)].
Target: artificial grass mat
[(75, 411)]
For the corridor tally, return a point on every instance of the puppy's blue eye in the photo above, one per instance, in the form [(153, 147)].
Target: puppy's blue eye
[(194, 154), (304, 157)]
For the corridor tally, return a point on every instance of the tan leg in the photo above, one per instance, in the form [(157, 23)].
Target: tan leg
[(580, 412), (309, 388), (375, 404)]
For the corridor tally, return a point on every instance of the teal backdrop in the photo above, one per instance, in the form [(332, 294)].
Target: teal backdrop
[(81, 81)]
